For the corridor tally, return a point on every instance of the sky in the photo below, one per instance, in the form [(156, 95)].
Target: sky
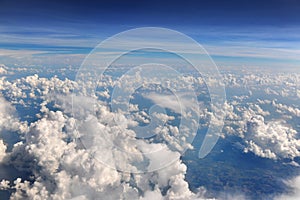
[(235, 33)]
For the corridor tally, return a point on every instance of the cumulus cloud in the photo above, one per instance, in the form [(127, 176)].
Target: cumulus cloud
[(3, 69), (78, 175), (272, 139), (80, 156), (8, 118), (63, 168), (2, 150), (286, 109)]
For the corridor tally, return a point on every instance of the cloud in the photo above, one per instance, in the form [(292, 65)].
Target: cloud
[(19, 53), (3, 69), (63, 169), (244, 50), (272, 139), (295, 194), (8, 118), (178, 104), (2, 150), (291, 110)]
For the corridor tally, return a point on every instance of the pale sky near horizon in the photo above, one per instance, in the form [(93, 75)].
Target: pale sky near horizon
[(235, 33)]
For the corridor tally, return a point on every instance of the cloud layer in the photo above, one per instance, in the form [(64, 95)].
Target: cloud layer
[(62, 152)]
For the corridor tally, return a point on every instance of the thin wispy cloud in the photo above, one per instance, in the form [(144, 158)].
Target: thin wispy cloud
[(255, 42)]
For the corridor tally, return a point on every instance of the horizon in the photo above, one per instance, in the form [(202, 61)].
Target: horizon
[(235, 33)]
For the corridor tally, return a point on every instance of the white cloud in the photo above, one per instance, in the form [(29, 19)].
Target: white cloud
[(2, 150), (295, 194), (3, 69), (19, 53), (8, 118), (254, 52), (272, 139), (286, 109), (178, 104), (64, 170)]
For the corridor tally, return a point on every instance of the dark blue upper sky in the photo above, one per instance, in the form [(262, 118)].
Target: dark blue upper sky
[(155, 12), (77, 26)]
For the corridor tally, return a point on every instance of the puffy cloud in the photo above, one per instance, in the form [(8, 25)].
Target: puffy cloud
[(286, 109), (8, 118), (63, 169), (35, 87), (7, 115), (273, 139), (2, 150), (150, 195), (68, 168), (3, 69)]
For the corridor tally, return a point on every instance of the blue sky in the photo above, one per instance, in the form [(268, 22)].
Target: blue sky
[(235, 33)]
